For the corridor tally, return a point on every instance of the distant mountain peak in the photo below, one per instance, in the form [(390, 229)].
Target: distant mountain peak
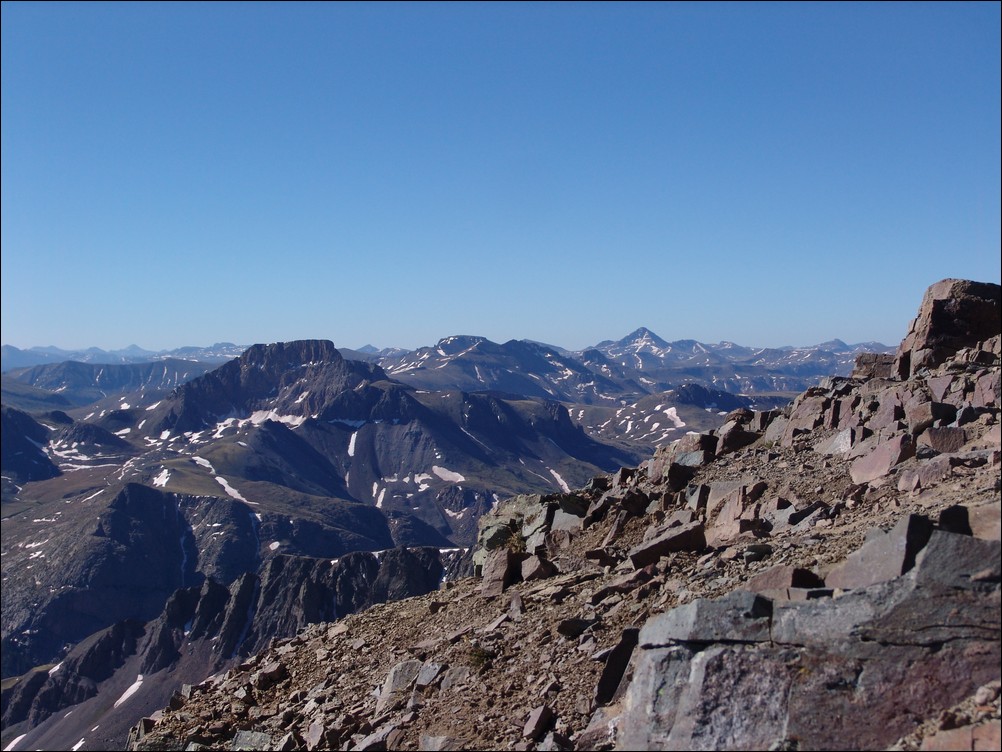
[(643, 334), (642, 340), (458, 343), (834, 345)]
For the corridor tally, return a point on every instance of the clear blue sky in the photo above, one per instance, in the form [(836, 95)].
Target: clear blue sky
[(767, 174)]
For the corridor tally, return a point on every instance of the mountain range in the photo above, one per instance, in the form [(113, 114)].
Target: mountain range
[(641, 362), (219, 504), (227, 523)]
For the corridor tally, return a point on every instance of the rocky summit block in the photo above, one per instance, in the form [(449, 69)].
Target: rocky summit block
[(954, 314)]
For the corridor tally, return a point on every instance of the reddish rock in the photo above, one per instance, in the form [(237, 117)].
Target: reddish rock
[(782, 577), (941, 387), (925, 474), (986, 521), (806, 416), (677, 476), (890, 413), (270, 673), (695, 442), (623, 476), (987, 390), (537, 568), (696, 496), (681, 517), (954, 314), (922, 415), (315, 736), (615, 666), (943, 440), (500, 571), (839, 444), (718, 492), (694, 459), (884, 457), (537, 722), (689, 537), (566, 521), (873, 365), (984, 737), (737, 515), (398, 681), (733, 436)]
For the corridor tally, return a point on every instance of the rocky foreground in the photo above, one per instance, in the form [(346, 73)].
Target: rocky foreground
[(823, 577)]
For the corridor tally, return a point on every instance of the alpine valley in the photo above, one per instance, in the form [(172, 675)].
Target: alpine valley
[(207, 512)]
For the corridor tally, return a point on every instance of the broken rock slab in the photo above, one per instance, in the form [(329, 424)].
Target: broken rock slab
[(813, 676), (689, 537), (884, 556), (537, 722), (398, 682), (783, 577), (739, 616), (885, 456)]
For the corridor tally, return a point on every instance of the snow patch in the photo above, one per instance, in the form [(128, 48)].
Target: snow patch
[(274, 546), (447, 475), (161, 480), (234, 493), (351, 444), (260, 416), (560, 481), (672, 415), (14, 743), (133, 688)]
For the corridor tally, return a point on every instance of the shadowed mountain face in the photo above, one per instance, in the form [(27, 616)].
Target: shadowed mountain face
[(289, 453), (22, 454)]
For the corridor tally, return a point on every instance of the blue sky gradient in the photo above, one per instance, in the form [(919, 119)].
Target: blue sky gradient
[(392, 174)]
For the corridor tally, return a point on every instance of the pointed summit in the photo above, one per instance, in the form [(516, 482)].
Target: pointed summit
[(643, 336)]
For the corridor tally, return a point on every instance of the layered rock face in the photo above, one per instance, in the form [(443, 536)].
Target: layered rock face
[(955, 314), (749, 672)]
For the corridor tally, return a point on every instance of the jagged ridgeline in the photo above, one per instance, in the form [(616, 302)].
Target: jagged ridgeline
[(234, 530)]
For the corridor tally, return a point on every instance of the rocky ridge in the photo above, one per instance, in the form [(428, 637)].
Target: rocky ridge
[(822, 577)]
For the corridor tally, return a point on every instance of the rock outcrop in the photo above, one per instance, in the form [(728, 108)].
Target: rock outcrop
[(806, 674), (955, 315)]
